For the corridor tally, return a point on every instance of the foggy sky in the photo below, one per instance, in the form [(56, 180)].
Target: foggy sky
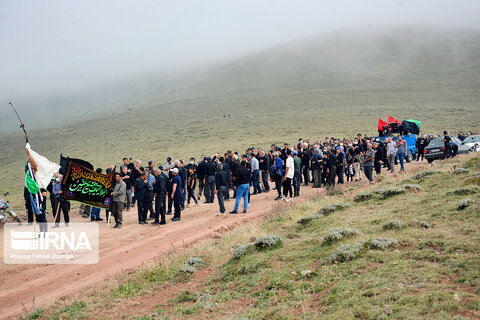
[(55, 45)]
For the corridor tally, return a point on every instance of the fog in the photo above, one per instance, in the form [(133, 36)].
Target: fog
[(57, 53)]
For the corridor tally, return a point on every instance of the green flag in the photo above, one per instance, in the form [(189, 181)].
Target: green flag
[(414, 121), (31, 185)]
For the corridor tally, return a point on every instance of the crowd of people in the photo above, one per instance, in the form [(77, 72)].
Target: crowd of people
[(158, 191)]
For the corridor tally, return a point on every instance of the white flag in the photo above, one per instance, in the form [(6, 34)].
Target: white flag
[(45, 168)]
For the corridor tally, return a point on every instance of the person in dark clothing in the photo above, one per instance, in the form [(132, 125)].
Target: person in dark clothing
[(160, 190), (235, 169), (277, 173), (316, 167), (127, 178), (201, 177), (331, 169), (191, 182), (183, 173), (264, 163), (209, 180), (176, 193), (340, 164), (149, 195), (378, 158), (226, 168), (325, 167), (421, 144), (136, 173), (60, 203), (446, 140), (28, 205), (305, 157), (52, 196), (221, 184), (243, 179), (141, 187)]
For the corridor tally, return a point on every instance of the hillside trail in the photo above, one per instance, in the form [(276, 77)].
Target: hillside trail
[(128, 248)]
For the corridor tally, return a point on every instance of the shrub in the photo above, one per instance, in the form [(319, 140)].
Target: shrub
[(195, 261), (339, 233), (389, 192), (363, 196), (307, 219), (329, 208), (465, 203), (382, 243), (423, 174), (460, 171), (412, 187), (465, 190), (347, 252), (188, 269), (241, 251), (269, 241), (393, 225), (423, 224)]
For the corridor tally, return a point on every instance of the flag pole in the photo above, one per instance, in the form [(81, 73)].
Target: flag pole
[(21, 123)]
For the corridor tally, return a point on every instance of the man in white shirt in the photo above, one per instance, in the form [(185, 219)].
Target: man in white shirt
[(288, 178), (391, 153)]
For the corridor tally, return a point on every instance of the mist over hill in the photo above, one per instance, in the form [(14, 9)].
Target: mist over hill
[(409, 65)]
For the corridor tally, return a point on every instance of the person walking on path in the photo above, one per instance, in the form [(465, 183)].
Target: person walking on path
[(221, 184)]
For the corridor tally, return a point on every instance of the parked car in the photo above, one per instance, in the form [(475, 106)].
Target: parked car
[(473, 142), (436, 147)]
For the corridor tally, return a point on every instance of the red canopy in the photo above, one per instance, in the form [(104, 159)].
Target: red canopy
[(392, 120), (381, 124)]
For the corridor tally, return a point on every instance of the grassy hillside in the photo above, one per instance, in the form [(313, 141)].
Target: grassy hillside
[(411, 255), (335, 85)]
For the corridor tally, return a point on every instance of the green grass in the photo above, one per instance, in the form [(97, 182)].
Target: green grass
[(428, 274)]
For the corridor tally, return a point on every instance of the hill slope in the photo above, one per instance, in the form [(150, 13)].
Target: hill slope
[(331, 85), (412, 255)]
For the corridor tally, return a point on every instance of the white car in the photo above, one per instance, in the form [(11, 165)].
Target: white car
[(473, 142)]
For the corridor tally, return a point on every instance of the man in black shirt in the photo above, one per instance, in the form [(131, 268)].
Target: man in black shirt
[(160, 190), (201, 177), (127, 178), (446, 140), (209, 181), (136, 173), (331, 169), (264, 165), (221, 183), (141, 187), (421, 144), (377, 162)]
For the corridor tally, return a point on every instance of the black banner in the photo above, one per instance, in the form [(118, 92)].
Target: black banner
[(87, 186)]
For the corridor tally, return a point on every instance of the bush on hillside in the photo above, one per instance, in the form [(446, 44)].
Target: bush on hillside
[(363, 196), (269, 241), (422, 224), (338, 234), (329, 208), (382, 243), (393, 225), (307, 219), (474, 179), (241, 251), (423, 174), (335, 193), (389, 192), (460, 171), (465, 203), (412, 187), (465, 190), (347, 252), (195, 261)]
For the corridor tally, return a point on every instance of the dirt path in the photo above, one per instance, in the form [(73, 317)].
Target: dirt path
[(120, 250)]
